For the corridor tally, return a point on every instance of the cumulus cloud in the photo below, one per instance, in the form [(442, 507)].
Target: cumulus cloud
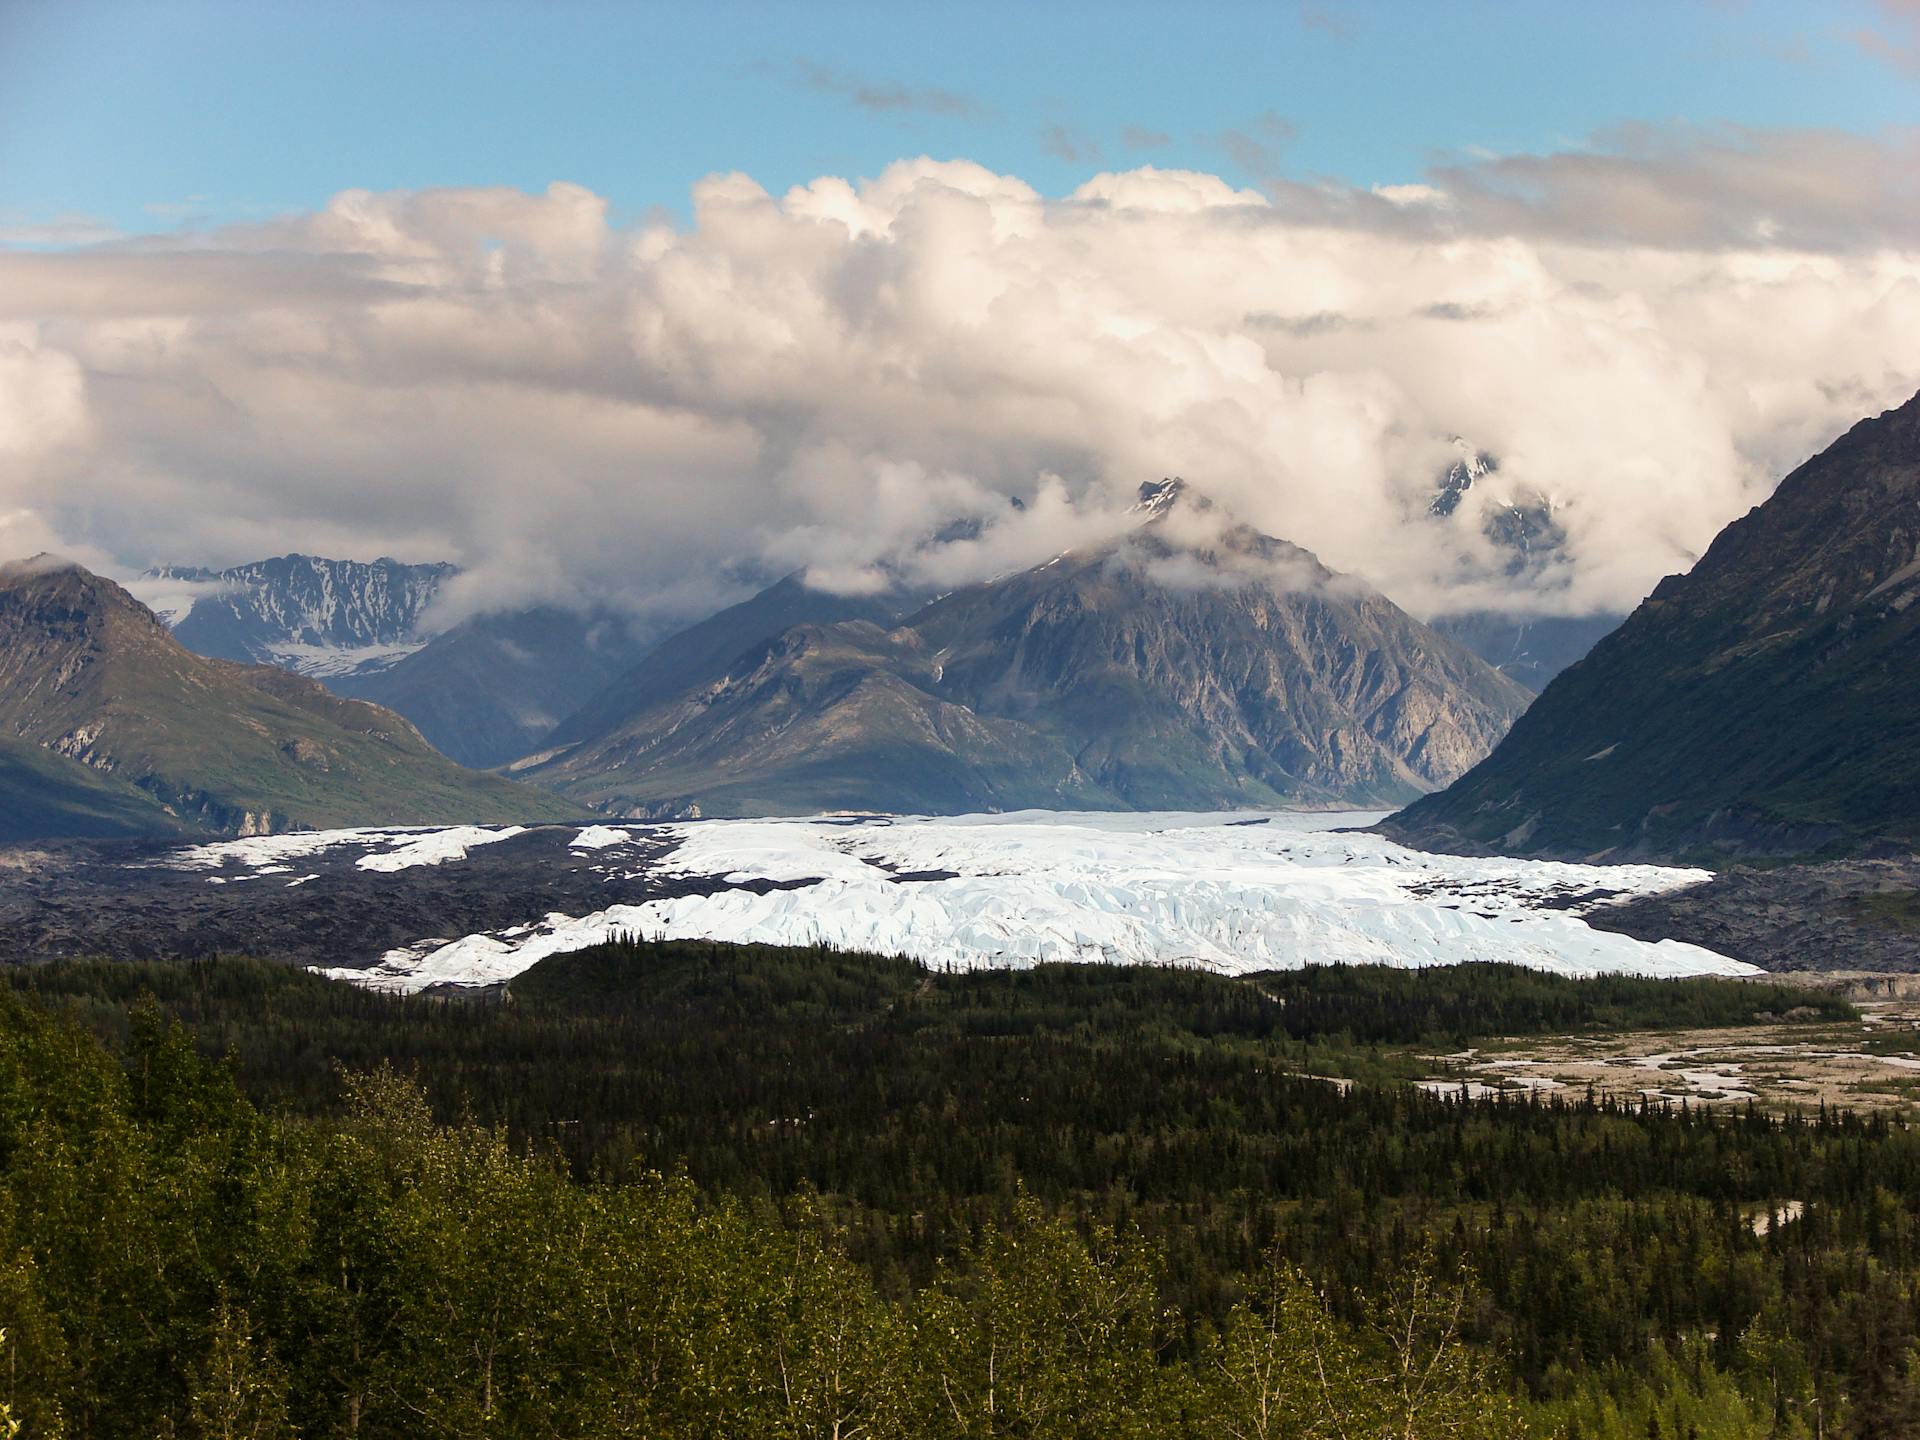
[(858, 378)]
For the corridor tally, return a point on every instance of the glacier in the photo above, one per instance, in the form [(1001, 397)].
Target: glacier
[(1229, 892)]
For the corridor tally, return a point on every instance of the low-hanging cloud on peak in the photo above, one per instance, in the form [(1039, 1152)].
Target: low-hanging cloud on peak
[(830, 378)]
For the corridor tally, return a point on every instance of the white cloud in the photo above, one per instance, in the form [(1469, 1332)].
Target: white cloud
[(832, 377)]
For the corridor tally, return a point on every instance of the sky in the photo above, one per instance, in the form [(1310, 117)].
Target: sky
[(641, 301), (143, 114)]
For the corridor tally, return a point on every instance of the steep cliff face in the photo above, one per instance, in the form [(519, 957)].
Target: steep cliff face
[(1191, 662), (1766, 702), (312, 615), (89, 676)]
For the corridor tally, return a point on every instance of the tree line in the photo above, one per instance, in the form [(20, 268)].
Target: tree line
[(303, 1185)]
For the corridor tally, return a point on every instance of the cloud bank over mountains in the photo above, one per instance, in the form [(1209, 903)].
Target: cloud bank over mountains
[(1647, 332)]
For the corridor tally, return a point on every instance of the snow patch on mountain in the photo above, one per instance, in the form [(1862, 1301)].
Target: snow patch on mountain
[(322, 662), (1233, 893), (319, 617)]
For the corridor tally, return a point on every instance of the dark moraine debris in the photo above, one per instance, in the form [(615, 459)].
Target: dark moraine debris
[(124, 901), (1842, 916)]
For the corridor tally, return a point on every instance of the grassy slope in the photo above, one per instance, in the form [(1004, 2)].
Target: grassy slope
[(43, 794)]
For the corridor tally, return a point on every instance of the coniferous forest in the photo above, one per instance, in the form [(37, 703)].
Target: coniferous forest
[(692, 1190)]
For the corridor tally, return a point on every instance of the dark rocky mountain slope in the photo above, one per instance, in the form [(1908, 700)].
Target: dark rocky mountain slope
[(1190, 663), (701, 653), (1765, 703), (494, 686)]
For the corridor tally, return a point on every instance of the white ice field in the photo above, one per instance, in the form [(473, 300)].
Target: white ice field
[(1231, 892)]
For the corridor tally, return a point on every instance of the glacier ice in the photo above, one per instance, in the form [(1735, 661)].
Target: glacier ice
[(1234, 893)]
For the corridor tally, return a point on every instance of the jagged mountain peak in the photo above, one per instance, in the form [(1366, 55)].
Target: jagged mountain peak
[(64, 597), (307, 613), (1471, 466), (1189, 662), (1518, 520), (1158, 497), (1182, 538)]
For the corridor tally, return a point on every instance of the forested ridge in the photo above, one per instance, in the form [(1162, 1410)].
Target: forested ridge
[(890, 1191)]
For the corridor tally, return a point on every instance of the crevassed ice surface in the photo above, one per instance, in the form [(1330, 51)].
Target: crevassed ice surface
[(1229, 892)]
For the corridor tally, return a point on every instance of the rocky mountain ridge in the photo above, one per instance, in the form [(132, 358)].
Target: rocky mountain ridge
[(1190, 663), (307, 613)]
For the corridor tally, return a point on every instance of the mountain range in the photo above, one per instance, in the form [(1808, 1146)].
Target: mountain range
[(1765, 703), (483, 691), (501, 685), (311, 615), (1190, 663), (109, 726)]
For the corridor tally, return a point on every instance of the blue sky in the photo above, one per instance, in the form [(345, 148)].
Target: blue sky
[(151, 116)]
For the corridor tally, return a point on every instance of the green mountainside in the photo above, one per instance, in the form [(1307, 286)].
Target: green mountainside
[(1766, 703), (102, 710), (43, 794)]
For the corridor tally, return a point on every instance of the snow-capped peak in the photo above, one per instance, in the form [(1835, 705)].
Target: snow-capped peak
[(1459, 477), (314, 615), (1157, 497)]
